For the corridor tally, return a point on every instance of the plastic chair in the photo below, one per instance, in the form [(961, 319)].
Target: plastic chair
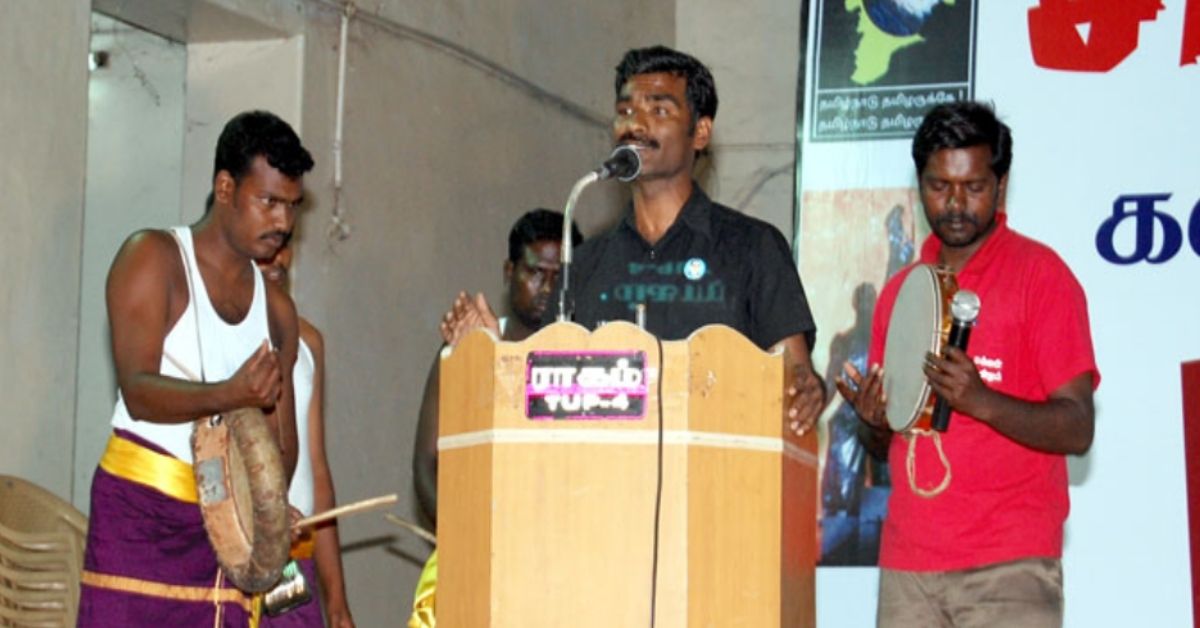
[(41, 556)]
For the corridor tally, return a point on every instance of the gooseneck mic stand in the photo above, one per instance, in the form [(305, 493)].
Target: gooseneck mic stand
[(625, 164)]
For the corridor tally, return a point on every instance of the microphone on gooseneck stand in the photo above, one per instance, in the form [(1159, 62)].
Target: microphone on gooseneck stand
[(964, 309), (624, 164)]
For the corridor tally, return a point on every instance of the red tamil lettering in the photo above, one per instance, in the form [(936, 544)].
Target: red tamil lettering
[(1191, 34), (1088, 35)]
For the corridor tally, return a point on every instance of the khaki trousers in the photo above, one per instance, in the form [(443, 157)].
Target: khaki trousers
[(1021, 594)]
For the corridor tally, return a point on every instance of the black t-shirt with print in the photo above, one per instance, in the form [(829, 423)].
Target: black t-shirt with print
[(714, 265)]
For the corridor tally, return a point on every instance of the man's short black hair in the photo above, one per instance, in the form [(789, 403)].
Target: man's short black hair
[(701, 89), (963, 124), (254, 133), (535, 226)]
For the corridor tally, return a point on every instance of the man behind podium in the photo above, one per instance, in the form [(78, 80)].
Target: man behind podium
[(534, 248), (691, 262)]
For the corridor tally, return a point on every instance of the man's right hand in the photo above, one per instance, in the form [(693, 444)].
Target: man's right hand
[(466, 314), (258, 382), (865, 394)]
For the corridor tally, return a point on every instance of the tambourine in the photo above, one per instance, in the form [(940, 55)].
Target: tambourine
[(920, 324), (243, 496)]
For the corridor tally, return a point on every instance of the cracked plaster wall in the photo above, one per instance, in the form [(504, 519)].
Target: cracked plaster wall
[(753, 49), (43, 131), (134, 165), (442, 152)]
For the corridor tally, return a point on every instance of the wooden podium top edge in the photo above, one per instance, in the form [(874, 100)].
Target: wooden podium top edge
[(614, 328)]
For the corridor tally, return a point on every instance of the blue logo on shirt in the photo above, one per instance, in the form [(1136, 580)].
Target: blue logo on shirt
[(694, 269)]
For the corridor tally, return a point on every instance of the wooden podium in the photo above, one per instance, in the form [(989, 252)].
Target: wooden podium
[(552, 521)]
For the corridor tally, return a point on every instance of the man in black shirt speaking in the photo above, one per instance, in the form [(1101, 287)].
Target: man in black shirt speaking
[(691, 262)]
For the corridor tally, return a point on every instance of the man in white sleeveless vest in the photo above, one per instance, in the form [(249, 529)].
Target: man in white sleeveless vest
[(195, 331), (311, 489)]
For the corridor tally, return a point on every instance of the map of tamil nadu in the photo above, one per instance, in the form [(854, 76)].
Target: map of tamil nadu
[(886, 26)]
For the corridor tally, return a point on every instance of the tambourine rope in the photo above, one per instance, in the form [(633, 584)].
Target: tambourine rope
[(910, 463)]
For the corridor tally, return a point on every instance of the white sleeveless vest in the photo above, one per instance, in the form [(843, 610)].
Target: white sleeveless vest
[(300, 493), (225, 348)]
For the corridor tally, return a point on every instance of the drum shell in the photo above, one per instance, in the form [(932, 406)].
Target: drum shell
[(243, 497)]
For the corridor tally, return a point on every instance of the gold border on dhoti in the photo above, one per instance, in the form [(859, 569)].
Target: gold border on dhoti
[(183, 593)]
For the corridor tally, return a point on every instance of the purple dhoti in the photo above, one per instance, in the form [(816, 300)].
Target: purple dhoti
[(148, 560)]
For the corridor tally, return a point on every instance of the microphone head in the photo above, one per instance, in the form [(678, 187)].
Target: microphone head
[(964, 307), (625, 163)]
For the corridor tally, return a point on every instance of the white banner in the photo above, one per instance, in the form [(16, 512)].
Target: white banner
[(1101, 97)]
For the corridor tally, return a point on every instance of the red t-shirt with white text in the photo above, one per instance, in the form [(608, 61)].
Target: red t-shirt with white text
[(1005, 501)]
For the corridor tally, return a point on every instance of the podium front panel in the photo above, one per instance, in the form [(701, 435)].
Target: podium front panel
[(552, 522)]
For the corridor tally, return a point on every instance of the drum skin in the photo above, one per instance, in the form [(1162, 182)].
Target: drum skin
[(243, 497), (919, 324)]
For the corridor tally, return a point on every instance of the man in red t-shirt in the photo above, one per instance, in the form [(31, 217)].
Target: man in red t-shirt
[(985, 550)]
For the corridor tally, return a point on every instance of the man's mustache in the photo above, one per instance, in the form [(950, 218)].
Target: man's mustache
[(630, 138), (958, 217), (284, 236)]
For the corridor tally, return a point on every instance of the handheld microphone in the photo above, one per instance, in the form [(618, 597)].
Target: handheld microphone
[(964, 308), (624, 164)]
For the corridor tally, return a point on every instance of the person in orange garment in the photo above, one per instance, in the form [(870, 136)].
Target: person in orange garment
[(311, 489)]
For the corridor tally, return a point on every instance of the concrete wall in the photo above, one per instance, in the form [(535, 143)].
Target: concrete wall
[(430, 193), (459, 117), (134, 168), (43, 133), (225, 78), (754, 53)]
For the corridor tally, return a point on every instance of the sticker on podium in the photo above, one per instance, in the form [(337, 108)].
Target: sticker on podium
[(585, 385)]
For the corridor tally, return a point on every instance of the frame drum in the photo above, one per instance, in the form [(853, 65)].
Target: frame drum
[(919, 324), (243, 497)]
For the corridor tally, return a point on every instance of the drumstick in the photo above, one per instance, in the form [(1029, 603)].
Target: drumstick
[(348, 509), (412, 527)]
